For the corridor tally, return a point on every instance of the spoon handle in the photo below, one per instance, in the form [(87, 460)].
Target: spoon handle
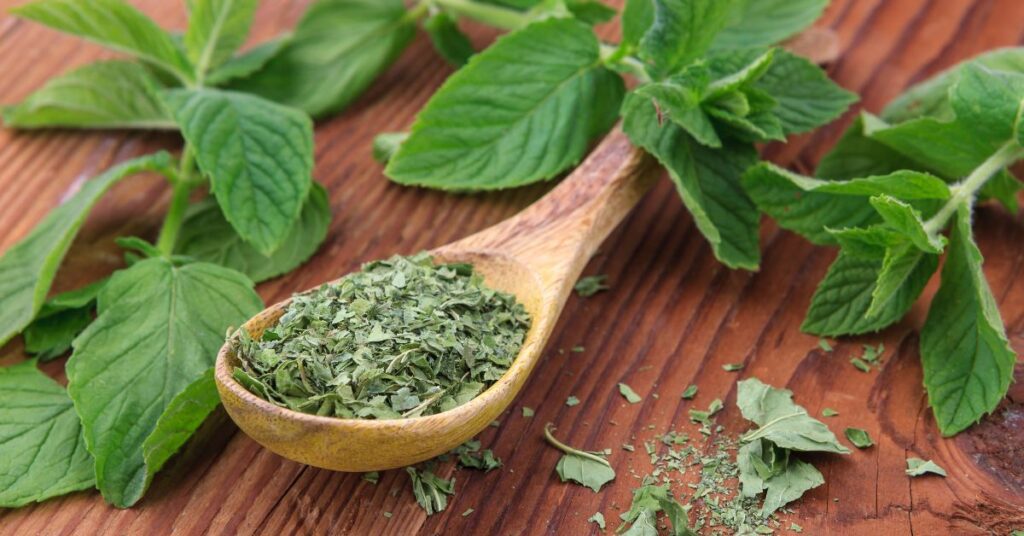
[(558, 234)]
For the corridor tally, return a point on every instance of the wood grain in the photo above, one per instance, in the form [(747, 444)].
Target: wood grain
[(673, 317)]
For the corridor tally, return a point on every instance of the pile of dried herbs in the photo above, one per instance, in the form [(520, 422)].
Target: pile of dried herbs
[(401, 338)]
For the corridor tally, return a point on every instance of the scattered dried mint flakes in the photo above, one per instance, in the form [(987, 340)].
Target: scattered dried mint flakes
[(403, 337), (430, 490), (860, 438), (590, 285), (919, 467)]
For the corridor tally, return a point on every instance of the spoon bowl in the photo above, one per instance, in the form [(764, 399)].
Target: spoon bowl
[(536, 255)]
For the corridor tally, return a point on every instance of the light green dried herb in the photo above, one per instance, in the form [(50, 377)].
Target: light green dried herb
[(590, 285), (572, 401), (860, 365), (430, 490), (732, 367), (578, 349), (829, 412), (629, 394), (598, 518), (372, 477), (873, 353), (690, 392), (860, 438), (470, 456), (403, 337), (467, 512), (587, 468), (919, 467), (824, 345), (527, 412)]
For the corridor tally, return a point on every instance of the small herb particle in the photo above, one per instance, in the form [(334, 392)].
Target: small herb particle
[(860, 365), (829, 412), (588, 286), (598, 518), (871, 354), (430, 490), (388, 515), (795, 528), (858, 437), (919, 467), (372, 477), (527, 412), (690, 392), (732, 367), (578, 349), (629, 394), (467, 512), (572, 401), (824, 345)]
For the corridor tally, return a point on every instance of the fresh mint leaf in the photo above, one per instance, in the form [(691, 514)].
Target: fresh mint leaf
[(105, 94), (681, 31), (259, 156), (904, 268), (860, 438), (843, 298), (637, 17), (968, 362), (157, 332), (811, 206), (765, 22), (27, 269), (931, 97), (182, 417), (919, 467), (335, 52), (990, 102), (60, 320), (948, 148), (113, 24), (781, 421), (216, 28), (448, 39), (386, 144), (807, 98), (708, 180), (856, 155), (907, 221), (247, 62), (205, 235), (590, 11), (679, 97), (474, 135), (584, 468), (42, 452), (748, 74)]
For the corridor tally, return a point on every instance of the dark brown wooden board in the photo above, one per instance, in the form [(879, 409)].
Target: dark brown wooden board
[(673, 317)]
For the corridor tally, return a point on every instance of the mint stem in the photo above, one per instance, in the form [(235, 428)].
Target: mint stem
[(965, 191), (183, 185), (499, 17), (569, 450)]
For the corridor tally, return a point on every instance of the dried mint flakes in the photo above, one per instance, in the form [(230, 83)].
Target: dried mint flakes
[(403, 337)]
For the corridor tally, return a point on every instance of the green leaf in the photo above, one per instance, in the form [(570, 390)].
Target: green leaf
[(337, 49), (247, 62), (216, 28), (919, 467), (708, 181), (448, 39), (259, 156), (679, 97), (766, 22), (158, 331), (907, 220), (637, 17), (42, 453), (27, 268), (590, 11), (584, 468), (968, 362), (806, 97), (841, 303), (648, 500), (781, 421), (182, 417), (860, 438), (991, 102), (749, 74), (430, 490), (386, 144), (681, 31), (931, 97), (904, 269), (105, 94), (857, 155), (789, 486), (950, 149), (811, 207), (113, 24), (205, 235), (60, 320), (521, 111)]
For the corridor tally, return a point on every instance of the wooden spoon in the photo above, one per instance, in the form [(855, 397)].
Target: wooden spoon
[(536, 255)]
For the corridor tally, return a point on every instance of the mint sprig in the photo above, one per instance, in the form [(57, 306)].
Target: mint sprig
[(891, 233)]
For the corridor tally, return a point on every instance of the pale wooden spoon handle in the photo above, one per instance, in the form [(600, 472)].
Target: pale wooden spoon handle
[(557, 235)]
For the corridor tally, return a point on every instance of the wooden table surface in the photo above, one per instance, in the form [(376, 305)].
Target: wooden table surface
[(673, 317)]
